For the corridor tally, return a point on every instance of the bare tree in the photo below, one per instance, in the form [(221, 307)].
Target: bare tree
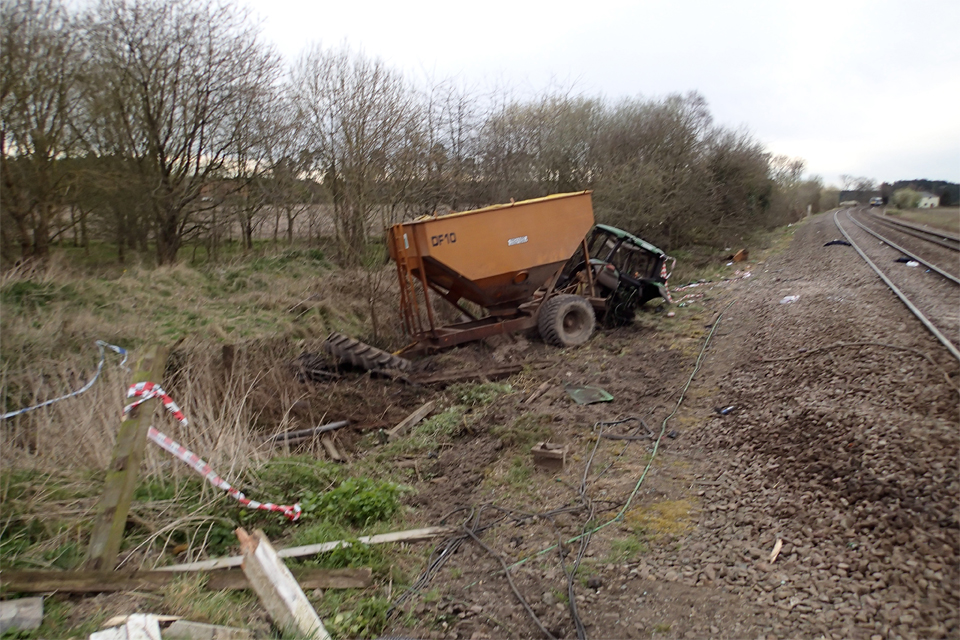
[(176, 80), (858, 183), (361, 117), (40, 58)]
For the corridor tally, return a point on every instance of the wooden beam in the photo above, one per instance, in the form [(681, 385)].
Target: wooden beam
[(413, 535), (277, 589), (327, 441), (539, 392), (410, 421), (108, 582), (111, 519), (305, 434)]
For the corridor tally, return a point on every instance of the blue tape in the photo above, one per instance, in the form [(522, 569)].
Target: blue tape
[(100, 345)]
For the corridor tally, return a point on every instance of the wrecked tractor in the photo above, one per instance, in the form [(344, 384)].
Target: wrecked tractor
[(538, 263)]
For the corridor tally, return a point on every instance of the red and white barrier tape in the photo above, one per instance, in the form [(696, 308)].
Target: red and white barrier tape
[(665, 275), (147, 390)]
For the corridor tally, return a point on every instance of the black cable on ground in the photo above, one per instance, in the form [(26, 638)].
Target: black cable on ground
[(470, 531)]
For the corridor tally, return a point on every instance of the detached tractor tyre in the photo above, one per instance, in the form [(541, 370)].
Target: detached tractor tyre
[(362, 355), (566, 321)]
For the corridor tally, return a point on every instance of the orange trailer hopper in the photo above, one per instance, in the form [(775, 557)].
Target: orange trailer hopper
[(495, 257)]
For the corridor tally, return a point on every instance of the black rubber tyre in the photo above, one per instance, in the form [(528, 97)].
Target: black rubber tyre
[(566, 321), (362, 355)]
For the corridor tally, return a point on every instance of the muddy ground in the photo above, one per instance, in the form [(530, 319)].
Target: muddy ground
[(845, 453)]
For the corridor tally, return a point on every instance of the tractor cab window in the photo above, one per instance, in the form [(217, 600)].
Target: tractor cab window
[(602, 245), (635, 262)]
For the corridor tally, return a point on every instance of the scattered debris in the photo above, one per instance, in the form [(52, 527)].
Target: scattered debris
[(186, 630), (776, 550), (673, 434), (410, 421), (313, 367), (671, 314), (97, 582), (119, 621), (139, 626), (789, 299), (588, 395), (327, 441), (910, 262), (25, 614), (542, 389), (493, 373), (724, 410), (412, 535), (741, 256), (837, 242), (295, 437), (549, 456), (277, 589)]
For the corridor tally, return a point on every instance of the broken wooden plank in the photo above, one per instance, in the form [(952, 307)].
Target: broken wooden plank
[(277, 589), (539, 392), (139, 626), (411, 421), (327, 441), (776, 550), (25, 614), (291, 437), (495, 373), (97, 582), (413, 535), (111, 519)]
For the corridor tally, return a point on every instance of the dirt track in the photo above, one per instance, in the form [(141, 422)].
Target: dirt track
[(848, 454)]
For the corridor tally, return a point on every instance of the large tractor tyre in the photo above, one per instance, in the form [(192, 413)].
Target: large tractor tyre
[(362, 355), (566, 321)]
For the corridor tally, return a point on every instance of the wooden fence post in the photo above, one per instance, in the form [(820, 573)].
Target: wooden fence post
[(123, 470)]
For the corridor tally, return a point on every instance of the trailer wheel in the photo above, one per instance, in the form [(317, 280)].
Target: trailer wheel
[(566, 321)]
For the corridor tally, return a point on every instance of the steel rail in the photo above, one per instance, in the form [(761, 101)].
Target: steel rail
[(922, 318), (952, 241), (929, 264), (922, 234)]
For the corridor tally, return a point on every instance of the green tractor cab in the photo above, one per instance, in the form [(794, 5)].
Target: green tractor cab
[(627, 272)]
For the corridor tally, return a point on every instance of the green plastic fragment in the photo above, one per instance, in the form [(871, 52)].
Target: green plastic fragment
[(588, 395)]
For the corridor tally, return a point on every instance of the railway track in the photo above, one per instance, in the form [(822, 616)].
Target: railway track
[(920, 266), (936, 236)]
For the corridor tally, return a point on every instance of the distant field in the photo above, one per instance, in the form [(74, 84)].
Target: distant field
[(946, 218)]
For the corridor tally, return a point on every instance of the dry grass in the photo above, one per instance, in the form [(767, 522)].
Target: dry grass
[(271, 308), (669, 517), (946, 218)]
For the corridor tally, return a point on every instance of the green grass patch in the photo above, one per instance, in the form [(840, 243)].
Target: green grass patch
[(367, 619), (357, 501), (445, 425), (626, 549), (479, 394), (519, 472), (525, 431)]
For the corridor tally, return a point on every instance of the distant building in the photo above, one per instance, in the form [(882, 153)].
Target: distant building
[(928, 200)]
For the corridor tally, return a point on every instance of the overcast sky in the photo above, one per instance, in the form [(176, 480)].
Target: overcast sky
[(852, 87)]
